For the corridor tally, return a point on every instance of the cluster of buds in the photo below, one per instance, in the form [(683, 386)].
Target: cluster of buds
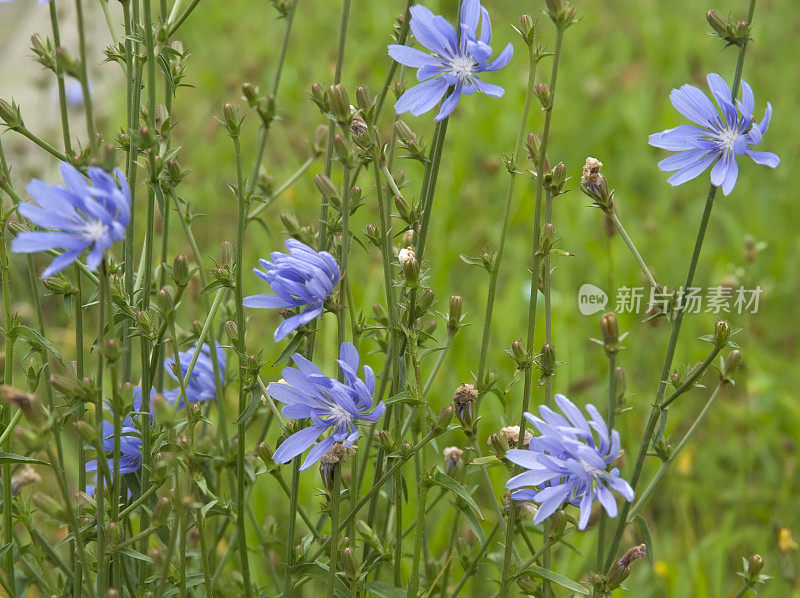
[(735, 33), (284, 7), (562, 15), (45, 51), (410, 142), (10, 114), (594, 185), (263, 105), (464, 400)]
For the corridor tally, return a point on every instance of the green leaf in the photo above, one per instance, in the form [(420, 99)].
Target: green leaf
[(474, 524), (290, 349), (402, 397), (487, 460), (384, 590), (644, 529), (320, 573), (557, 578), (135, 554), (34, 339), (445, 481), (12, 458), (472, 261), (255, 400)]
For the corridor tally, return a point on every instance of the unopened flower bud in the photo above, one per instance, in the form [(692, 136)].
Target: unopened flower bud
[(620, 382), (528, 586), (543, 93), (452, 459), (326, 186), (386, 439), (520, 354), (443, 419), (534, 144), (265, 453), (146, 137), (232, 118), (558, 178), (340, 104), (718, 24), (425, 301), (50, 506), (232, 331), (342, 150), (166, 301), (180, 270), (226, 253), (60, 284), (454, 315), (350, 560), (320, 97), (464, 400), (499, 443), (527, 29), (363, 99), (755, 563), (373, 235), (547, 359), (610, 329), (722, 331), (111, 350), (731, 364), (249, 92), (10, 114)]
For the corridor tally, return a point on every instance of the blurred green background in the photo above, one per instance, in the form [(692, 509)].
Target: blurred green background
[(736, 486)]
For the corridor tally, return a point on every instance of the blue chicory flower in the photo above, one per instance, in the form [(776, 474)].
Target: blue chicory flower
[(330, 405), (722, 134), (303, 278), (201, 385), (567, 463), (79, 216), (455, 63)]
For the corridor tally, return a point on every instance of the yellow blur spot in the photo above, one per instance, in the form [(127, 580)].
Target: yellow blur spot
[(661, 569), (33, 592), (684, 462), (785, 540), (222, 547)]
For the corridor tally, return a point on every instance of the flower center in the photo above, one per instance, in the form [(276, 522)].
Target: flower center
[(728, 139), (95, 230), (338, 413), (462, 66)]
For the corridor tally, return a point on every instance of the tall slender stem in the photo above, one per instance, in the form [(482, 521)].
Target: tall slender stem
[(242, 357), (62, 95), (334, 542), (537, 257), (102, 569), (87, 98), (676, 329)]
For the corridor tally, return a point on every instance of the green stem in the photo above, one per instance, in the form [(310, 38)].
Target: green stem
[(473, 566), (84, 78), (102, 568), (612, 410), (612, 215), (665, 465), (506, 577), (242, 357), (295, 488), (62, 95), (334, 538)]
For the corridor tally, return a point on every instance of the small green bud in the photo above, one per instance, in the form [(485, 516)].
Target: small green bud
[(499, 443), (443, 419), (543, 93), (527, 29), (50, 506), (720, 25), (534, 144), (558, 178), (547, 358), (722, 332), (111, 350), (350, 562), (67, 63), (232, 118), (11, 115), (340, 104), (454, 315), (232, 331), (610, 329), (60, 285), (180, 270), (342, 149), (520, 354), (226, 253), (622, 568), (387, 441), (528, 586), (373, 235), (166, 302), (265, 453), (161, 511), (146, 137), (250, 93), (363, 99), (326, 186), (731, 364), (755, 563), (320, 97)]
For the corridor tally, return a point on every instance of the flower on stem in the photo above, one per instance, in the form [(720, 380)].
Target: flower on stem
[(79, 216), (200, 386), (130, 444), (724, 133), (303, 278), (331, 405), (456, 61), (568, 462)]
